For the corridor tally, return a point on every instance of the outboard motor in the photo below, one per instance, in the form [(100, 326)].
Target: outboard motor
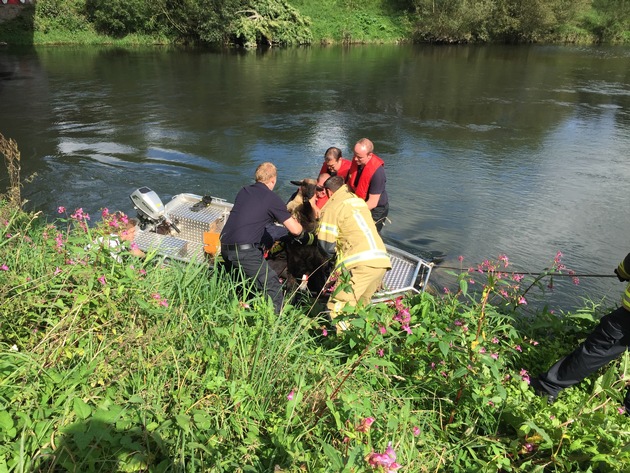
[(150, 208)]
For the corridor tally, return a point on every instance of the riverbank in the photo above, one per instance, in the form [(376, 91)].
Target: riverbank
[(311, 23), (133, 364)]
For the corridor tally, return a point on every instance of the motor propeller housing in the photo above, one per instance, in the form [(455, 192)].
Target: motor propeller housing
[(148, 204)]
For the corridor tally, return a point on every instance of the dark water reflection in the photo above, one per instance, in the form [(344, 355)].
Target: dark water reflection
[(489, 150)]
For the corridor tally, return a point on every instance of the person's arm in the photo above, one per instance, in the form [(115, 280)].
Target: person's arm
[(327, 238), (328, 248), (623, 270), (293, 226), (372, 200), (377, 187)]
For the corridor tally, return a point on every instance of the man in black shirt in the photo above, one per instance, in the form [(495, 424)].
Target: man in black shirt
[(255, 207)]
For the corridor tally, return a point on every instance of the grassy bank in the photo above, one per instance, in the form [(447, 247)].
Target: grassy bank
[(301, 22), (126, 364)]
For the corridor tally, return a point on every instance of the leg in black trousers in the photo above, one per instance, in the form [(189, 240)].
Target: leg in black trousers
[(605, 343), (255, 267)]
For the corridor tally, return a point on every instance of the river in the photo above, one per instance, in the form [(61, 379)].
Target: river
[(489, 150)]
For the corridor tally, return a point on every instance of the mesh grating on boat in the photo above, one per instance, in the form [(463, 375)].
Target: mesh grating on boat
[(170, 246), (409, 273)]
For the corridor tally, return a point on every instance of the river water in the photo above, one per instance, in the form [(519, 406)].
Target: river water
[(515, 150)]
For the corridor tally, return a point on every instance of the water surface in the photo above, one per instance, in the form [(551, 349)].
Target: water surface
[(489, 150)]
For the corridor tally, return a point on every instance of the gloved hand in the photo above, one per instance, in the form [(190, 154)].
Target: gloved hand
[(620, 277), (304, 238)]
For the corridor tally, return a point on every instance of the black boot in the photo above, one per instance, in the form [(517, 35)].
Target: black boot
[(542, 392)]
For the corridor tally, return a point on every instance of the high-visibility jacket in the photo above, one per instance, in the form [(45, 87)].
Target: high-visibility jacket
[(346, 228), (623, 271)]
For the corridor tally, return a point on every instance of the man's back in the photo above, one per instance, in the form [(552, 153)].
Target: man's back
[(347, 221)]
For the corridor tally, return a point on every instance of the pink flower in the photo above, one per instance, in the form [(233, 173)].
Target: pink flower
[(522, 301), (382, 329), (416, 431), (621, 410), (365, 425), (291, 395), (102, 280), (495, 340), (385, 460), (525, 376), (505, 260), (105, 212), (447, 290), (381, 353), (164, 303), (518, 348), (4, 267), (324, 332), (61, 209), (57, 271), (495, 356), (460, 258)]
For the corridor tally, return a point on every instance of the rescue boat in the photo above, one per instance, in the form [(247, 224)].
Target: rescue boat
[(187, 228)]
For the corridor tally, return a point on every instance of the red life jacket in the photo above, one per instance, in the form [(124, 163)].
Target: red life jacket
[(366, 176), (343, 170)]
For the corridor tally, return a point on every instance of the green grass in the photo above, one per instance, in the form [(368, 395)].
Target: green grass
[(344, 21), (147, 365)]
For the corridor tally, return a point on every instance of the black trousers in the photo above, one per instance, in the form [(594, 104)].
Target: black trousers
[(608, 341), (255, 267), (379, 215)]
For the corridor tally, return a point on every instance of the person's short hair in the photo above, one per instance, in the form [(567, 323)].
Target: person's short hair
[(366, 144), (265, 172), (334, 183), (332, 153), (323, 177)]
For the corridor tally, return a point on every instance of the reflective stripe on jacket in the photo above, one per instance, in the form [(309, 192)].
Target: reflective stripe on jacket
[(623, 270), (347, 223)]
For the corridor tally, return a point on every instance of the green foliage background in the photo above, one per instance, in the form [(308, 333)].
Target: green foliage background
[(252, 23)]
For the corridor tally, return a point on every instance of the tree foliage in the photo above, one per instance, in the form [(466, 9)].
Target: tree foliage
[(251, 23), (59, 14), (122, 17), (245, 22), (269, 22), (493, 20)]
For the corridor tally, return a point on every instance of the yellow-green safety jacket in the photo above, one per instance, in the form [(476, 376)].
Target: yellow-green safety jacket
[(346, 228), (623, 271)]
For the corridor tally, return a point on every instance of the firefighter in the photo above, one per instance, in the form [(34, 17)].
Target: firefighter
[(347, 231)]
